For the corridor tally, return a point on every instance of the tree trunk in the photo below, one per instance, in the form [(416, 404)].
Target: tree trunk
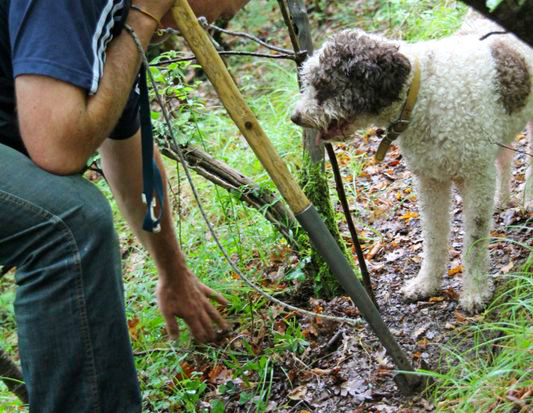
[(313, 178), (513, 15)]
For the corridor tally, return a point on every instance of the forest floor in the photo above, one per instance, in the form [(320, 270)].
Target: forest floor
[(342, 368), (346, 369), (278, 361)]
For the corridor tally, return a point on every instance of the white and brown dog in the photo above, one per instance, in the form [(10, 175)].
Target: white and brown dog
[(450, 102)]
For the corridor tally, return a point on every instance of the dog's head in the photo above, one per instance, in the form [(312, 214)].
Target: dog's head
[(348, 83)]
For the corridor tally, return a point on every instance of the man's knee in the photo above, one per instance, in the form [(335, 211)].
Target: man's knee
[(91, 212), (90, 219)]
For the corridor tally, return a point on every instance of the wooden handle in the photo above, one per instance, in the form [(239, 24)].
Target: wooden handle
[(237, 108)]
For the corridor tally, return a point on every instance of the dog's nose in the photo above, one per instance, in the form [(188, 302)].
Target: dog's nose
[(296, 118)]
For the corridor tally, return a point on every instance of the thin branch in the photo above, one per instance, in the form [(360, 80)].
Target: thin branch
[(231, 53), (231, 33), (288, 23), (492, 33), (353, 232), (512, 149), (233, 181), (250, 37)]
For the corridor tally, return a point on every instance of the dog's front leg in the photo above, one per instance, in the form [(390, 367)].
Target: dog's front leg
[(504, 164), (528, 190), (434, 203), (478, 197)]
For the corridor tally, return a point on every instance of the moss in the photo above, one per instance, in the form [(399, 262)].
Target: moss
[(313, 180)]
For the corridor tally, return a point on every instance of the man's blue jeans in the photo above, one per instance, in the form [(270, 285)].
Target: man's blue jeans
[(69, 306)]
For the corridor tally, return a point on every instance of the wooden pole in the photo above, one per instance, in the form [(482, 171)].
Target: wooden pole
[(235, 105)]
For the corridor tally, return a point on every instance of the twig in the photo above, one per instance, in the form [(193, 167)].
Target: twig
[(250, 37), (342, 197), (232, 53), (491, 33), (231, 33), (511, 148), (290, 26)]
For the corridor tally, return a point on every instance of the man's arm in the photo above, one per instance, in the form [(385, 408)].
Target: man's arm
[(61, 125), (179, 292)]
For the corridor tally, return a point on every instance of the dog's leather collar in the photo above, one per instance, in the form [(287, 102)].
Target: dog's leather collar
[(402, 123)]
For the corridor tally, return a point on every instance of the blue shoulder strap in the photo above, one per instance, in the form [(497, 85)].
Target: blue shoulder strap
[(117, 28), (152, 182)]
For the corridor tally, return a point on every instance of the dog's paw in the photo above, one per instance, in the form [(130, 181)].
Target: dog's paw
[(419, 287), (475, 301)]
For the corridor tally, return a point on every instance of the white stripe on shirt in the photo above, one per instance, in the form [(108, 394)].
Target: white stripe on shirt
[(101, 37)]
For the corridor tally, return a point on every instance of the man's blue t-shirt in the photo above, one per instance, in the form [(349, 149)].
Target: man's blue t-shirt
[(63, 39)]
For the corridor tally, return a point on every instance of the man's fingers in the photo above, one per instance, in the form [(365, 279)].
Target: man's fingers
[(195, 308), (213, 295), (216, 317), (172, 326), (201, 327)]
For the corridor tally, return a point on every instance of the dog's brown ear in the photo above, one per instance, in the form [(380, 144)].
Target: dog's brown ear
[(376, 70), (395, 70)]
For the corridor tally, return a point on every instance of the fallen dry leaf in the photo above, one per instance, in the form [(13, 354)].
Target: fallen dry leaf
[(186, 371), (322, 372), (451, 293), (410, 215), (455, 270), (219, 375), (460, 317), (133, 328), (506, 268), (375, 249), (298, 393)]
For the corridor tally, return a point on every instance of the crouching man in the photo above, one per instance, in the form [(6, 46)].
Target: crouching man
[(66, 90)]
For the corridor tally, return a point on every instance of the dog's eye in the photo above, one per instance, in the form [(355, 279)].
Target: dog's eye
[(323, 94)]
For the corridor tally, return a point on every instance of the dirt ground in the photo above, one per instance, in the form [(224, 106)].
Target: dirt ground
[(345, 369)]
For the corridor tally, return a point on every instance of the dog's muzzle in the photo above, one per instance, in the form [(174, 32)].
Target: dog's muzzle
[(296, 118)]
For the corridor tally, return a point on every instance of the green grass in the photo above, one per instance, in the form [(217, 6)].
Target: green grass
[(8, 338), (497, 370), (414, 20)]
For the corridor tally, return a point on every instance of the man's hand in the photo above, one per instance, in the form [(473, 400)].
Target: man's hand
[(179, 292), (186, 297)]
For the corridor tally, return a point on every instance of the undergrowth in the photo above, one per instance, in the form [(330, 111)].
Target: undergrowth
[(496, 373), (185, 377)]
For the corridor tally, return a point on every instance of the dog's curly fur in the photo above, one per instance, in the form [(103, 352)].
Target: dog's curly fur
[(473, 94)]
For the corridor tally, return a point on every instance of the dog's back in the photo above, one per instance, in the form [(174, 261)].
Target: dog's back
[(481, 87)]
